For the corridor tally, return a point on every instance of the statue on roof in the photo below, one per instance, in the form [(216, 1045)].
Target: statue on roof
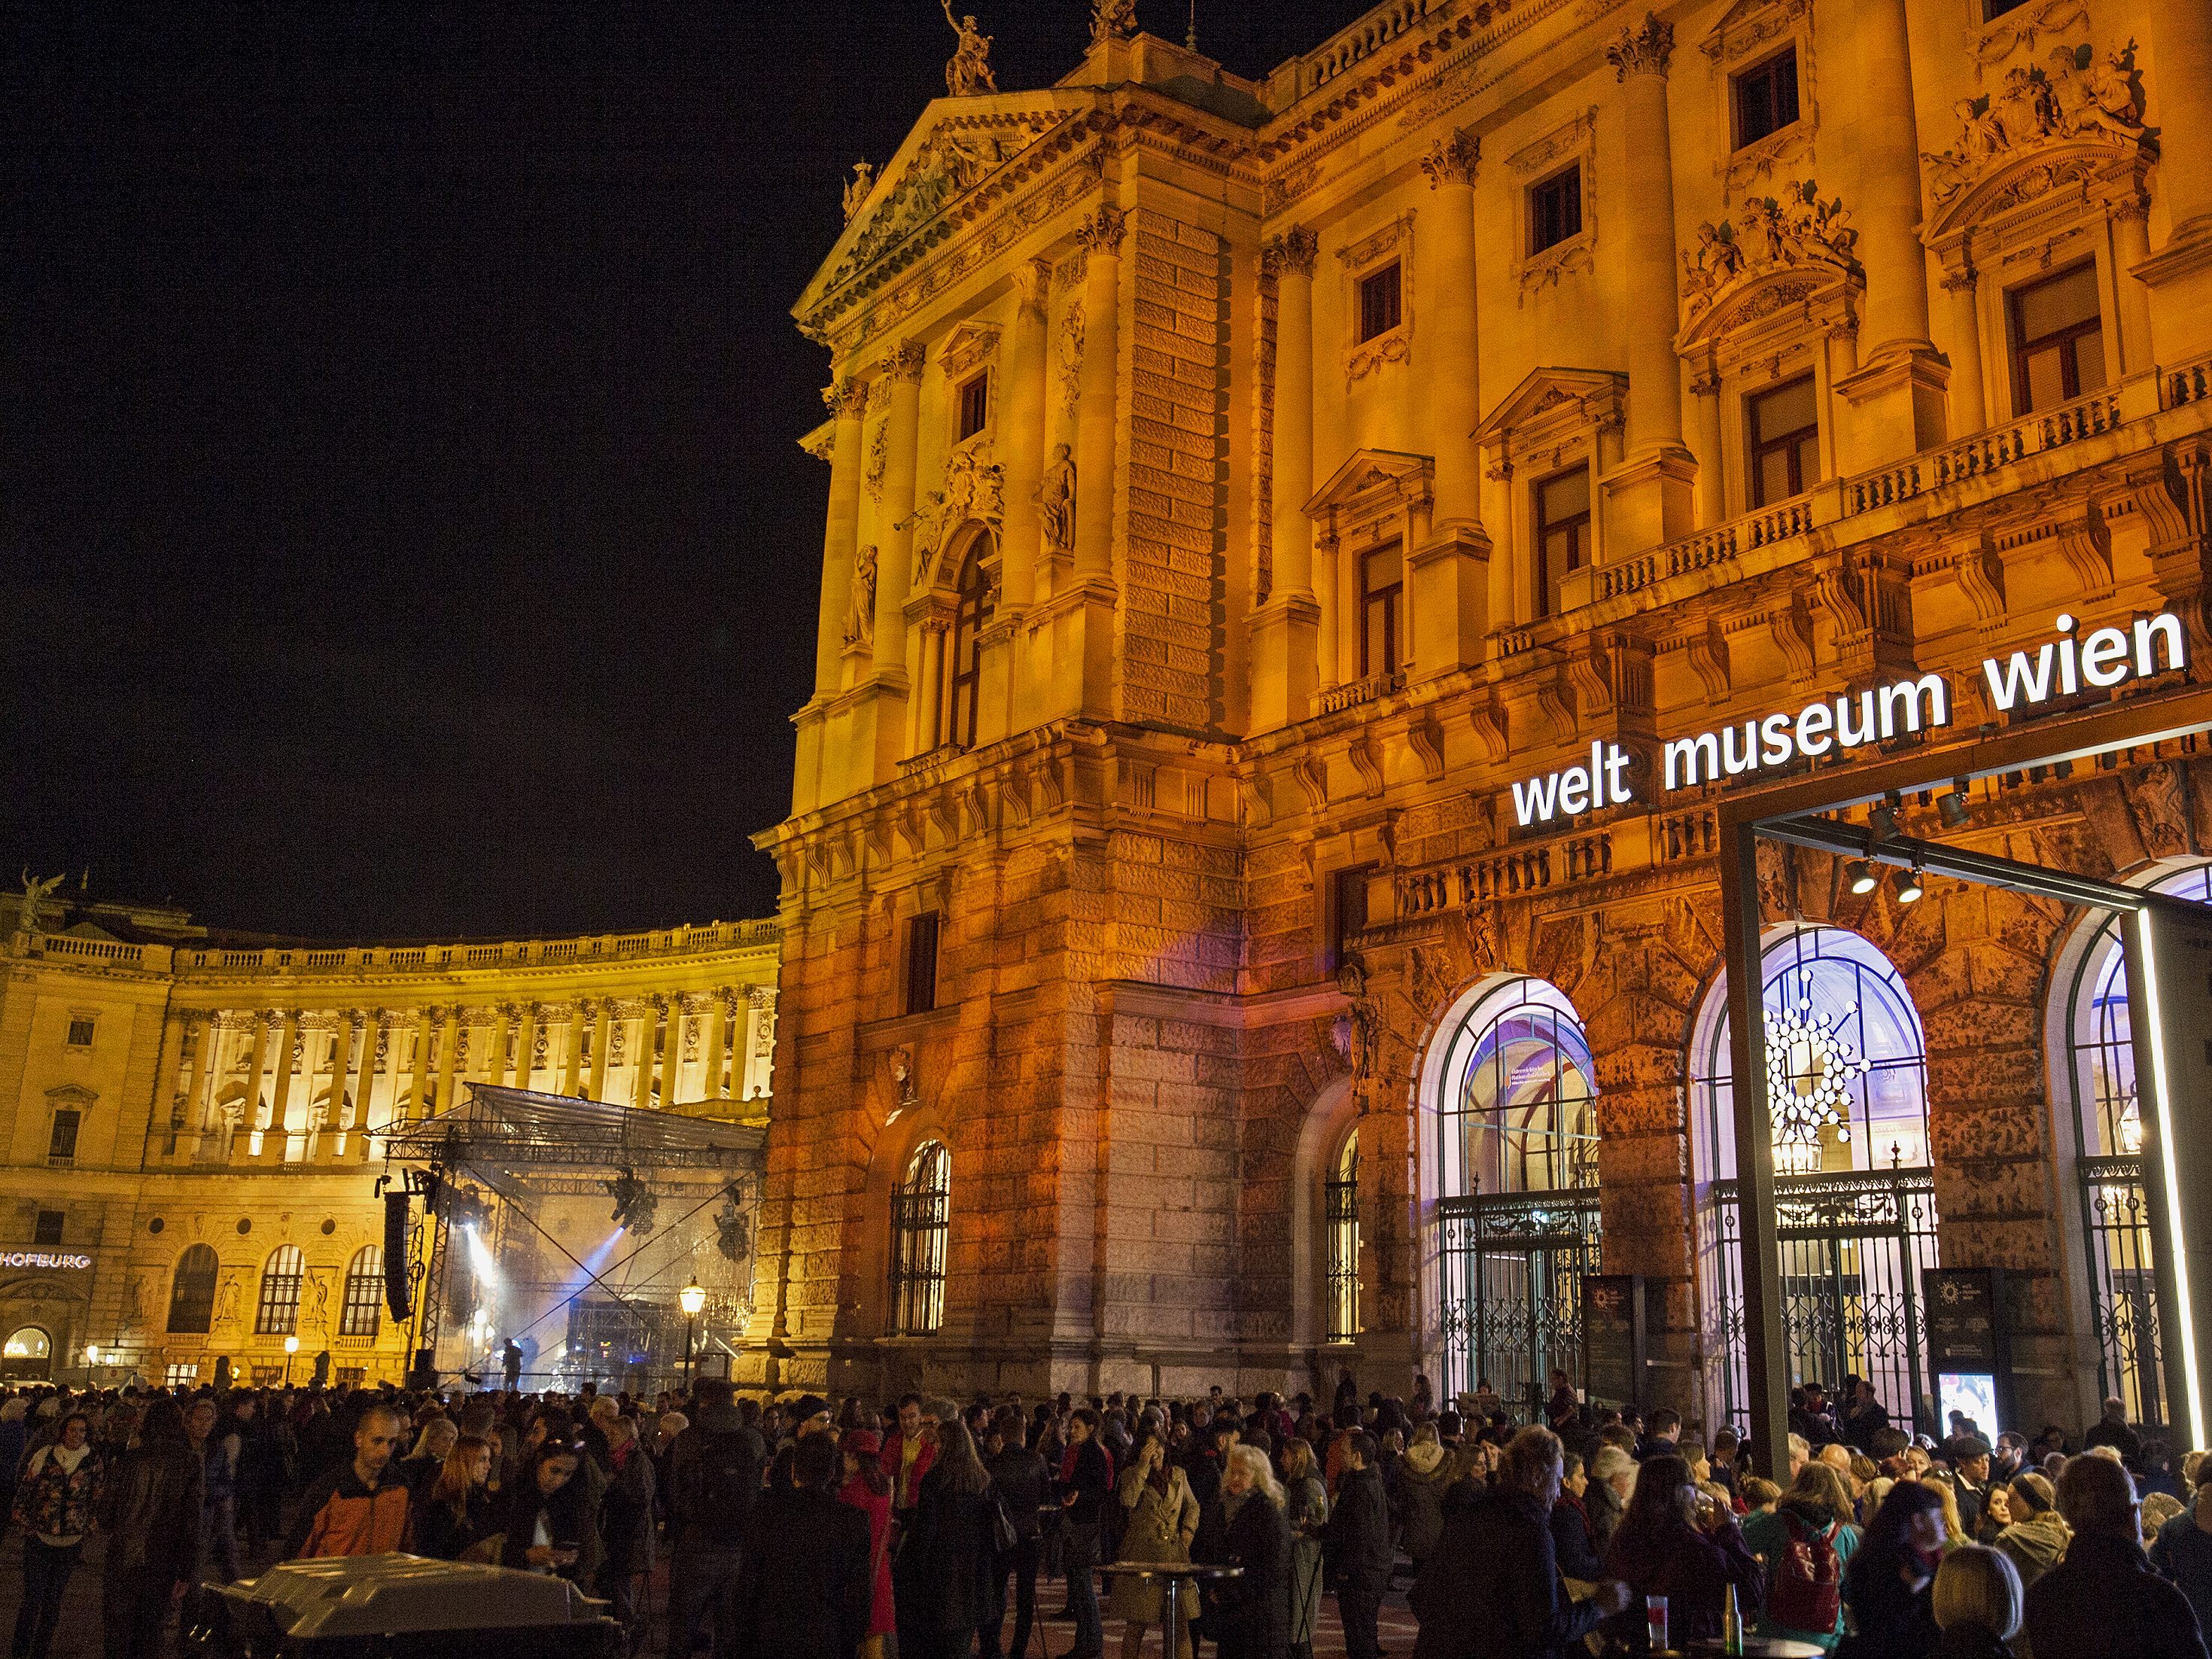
[(969, 71), (35, 893), (1112, 20), (857, 188)]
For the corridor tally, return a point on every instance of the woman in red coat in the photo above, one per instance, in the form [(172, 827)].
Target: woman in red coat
[(868, 1489)]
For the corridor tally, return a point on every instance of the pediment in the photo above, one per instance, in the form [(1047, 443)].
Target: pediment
[(1368, 474), (1771, 291), (957, 143), (2074, 169), (1544, 390), (67, 1095)]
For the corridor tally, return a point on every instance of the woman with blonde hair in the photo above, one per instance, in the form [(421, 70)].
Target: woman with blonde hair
[(1977, 1603), (1159, 1519), (1955, 1532), (1249, 1616), (1306, 1509), (1805, 1541)]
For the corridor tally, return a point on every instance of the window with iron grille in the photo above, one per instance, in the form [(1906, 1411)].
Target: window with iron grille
[(1563, 534), (974, 405), (61, 1145), (1555, 210), (920, 1233), (192, 1292), (2057, 335), (922, 933), (363, 1312), (1380, 303), (1340, 1209), (1765, 98), (279, 1312)]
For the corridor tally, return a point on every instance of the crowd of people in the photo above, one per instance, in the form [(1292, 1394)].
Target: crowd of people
[(804, 1531)]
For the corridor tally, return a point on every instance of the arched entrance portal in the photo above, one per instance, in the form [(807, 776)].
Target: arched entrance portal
[(27, 1355), (1513, 1096)]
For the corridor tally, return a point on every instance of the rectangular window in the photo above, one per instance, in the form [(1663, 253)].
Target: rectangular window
[(1347, 910), (80, 1033), (1379, 301), (974, 405), (922, 961), (352, 1375), (1563, 532), (1765, 98), (49, 1229), (1785, 441), (180, 1374), (1381, 601), (1555, 210), (266, 1376), (2057, 339), (60, 1146)]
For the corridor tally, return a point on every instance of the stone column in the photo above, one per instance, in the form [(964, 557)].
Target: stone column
[(526, 1041), (418, 1104), (2130, 249), (1447, 576), (1286, 629), (929, 690), (894, 561), (364, 1091), (1713, 469), (718, 1015), (252, 1116), (671, 1056), (281, 1091), (1021, 434), (1097, 405), (600, 1041), (572, 1061), (494, 1063), (642, 1083), (1897, 396), (1648, 496), (167, 1114), (449, 1053), (207, 1083), (2178, 81), (847, 400), (1969, 406)]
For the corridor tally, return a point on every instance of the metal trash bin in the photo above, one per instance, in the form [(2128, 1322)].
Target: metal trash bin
[(385, 1607)]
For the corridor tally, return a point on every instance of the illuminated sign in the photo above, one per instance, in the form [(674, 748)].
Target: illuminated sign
[(2062, 668), (43, 1259)]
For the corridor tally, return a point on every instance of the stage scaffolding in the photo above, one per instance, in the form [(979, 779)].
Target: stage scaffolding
[(517, 1237)]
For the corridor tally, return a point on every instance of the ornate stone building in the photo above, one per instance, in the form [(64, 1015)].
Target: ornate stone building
[(194, 1122), (1248, 903)]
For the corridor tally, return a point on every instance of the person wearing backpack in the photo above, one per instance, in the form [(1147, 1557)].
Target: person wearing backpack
[(1806, 1541), (714, 1479)]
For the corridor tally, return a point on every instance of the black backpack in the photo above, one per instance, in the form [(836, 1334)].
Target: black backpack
[(719, 1484)]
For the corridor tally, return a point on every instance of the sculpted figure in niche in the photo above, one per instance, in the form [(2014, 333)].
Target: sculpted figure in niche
[(1056, 501), (860, 605), (969, 71)]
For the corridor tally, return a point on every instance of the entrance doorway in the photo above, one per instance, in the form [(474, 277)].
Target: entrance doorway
[(27, 1356)]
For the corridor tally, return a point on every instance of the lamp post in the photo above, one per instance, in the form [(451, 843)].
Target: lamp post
[(692, 1298), (291, 1347)]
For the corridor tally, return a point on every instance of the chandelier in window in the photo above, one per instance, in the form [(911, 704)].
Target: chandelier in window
[(1810, 1068)]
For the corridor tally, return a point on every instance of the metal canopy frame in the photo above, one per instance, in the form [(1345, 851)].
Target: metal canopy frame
[(1793, 811), (519, 1127)]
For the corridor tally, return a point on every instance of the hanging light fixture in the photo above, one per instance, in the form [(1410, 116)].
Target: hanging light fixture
[(1909, 886), (1953, 806), (1861, 877)]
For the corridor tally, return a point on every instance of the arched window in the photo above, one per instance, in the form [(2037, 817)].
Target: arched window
[(191, 1293), (25, 1345), (969, 619), (1514, 1091), (279, 1312), (363, 1312), (920, 1229), (1847, 1084), (2108, 1164), (1340, 1211)]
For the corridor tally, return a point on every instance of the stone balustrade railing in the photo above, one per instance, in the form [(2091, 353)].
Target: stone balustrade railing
[(505, 953), (1338, 698)]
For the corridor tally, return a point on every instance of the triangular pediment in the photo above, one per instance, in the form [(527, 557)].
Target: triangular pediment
[(953, 149), (1368, 473), (1546, 389)]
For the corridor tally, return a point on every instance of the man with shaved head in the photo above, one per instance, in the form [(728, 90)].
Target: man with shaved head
[(361, 1507)]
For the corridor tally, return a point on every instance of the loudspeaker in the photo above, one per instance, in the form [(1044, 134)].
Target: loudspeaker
[(398, 1295), (423, 1375)]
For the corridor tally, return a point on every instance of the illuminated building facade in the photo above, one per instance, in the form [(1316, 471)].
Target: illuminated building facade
[(1250, 502), (194, 1122)]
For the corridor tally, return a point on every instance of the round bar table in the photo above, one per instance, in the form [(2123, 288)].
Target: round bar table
[(1198, 1572), (1760, 1647)]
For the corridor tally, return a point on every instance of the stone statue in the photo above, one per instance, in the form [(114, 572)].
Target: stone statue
[(1112, 20), (1056, 501), (35, 893), (857, 188), (969, 71), (861, 605)]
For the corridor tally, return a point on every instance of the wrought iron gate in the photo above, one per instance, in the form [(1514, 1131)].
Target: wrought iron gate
[(1512, 1301), (2122, 1284), (1852, 1246)]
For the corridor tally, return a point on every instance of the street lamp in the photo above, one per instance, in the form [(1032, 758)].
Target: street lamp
[(291, 1347), (692, 1299)]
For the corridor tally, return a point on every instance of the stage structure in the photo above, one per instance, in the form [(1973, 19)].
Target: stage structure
[(569, 1227)]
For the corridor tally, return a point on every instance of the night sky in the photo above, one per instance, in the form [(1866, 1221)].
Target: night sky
[(403, 532)]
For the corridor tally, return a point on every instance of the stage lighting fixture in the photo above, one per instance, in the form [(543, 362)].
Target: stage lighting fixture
[(1861, 877), (635, 1204), (1909, 886), (1953, 806), (1882, 821)]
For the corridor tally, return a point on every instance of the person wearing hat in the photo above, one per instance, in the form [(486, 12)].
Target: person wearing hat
[(1970, 1468), (808, 1415)]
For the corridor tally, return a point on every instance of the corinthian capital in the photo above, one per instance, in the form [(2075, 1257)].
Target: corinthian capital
[(905, 363), (1293, 252), (1643, 49), (1451, 161), (848, 398), (1101, 231)]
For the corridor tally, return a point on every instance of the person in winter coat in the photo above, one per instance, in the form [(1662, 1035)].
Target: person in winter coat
[(1492, 1588), (1305, 1507), (1419, 1478), (2035, 1535), (1249, 1616), (1024, 1485), (453, 1513), (1807, 1535), (1580, 1563), (151, 1514), (1358, 1544), (1678, 1542), (804, 1590), (2104, 1601), (14, 1439), (551, 1523), (1086, 1486), (626, 1529), (1978, 1604), (868, 1489), (1889, 1587), (1159, 1519), (1612, 1481), (2183, 1554), (54, 1503), (942, 1578)]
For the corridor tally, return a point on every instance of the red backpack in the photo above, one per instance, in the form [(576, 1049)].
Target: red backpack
[(1805, 1588)]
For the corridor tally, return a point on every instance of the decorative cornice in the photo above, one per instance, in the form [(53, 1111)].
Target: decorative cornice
[(1643, 50)]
